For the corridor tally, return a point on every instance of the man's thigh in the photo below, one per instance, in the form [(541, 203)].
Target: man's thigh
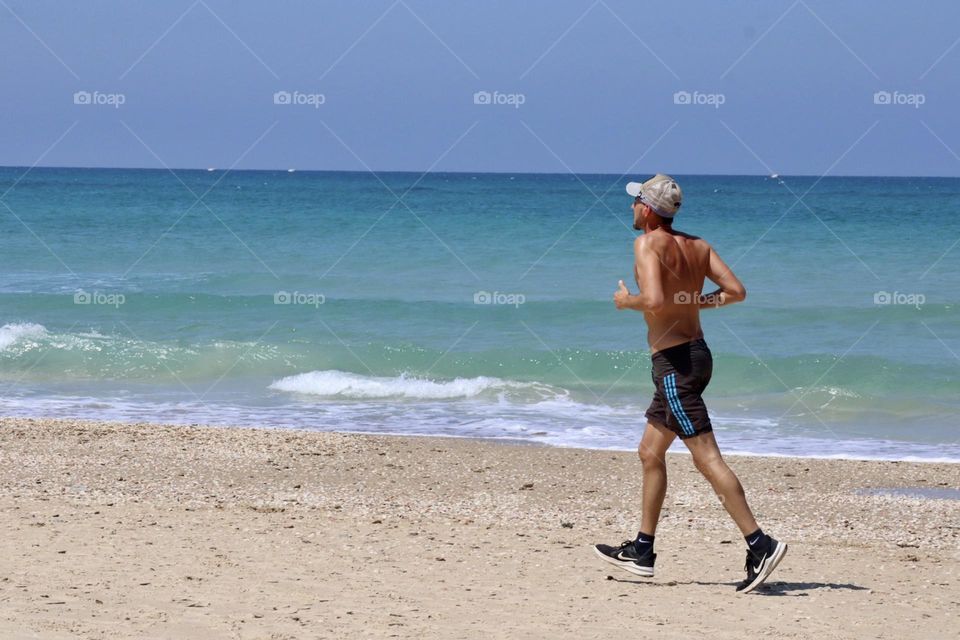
[(656, 440), (704, 448)]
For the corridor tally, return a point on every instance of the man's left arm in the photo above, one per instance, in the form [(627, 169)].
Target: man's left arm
[(650, 298)]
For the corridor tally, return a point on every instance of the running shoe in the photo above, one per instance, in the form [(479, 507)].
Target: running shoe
[(626, 557), (759, 566)]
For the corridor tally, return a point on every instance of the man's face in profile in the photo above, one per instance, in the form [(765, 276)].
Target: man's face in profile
[(639, 212)]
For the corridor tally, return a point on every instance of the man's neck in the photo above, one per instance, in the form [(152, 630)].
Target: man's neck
[(665, 227)]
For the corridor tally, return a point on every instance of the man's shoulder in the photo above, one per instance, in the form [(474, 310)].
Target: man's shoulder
[(690, 236), (659, 240), (700, 243), (650, 242)]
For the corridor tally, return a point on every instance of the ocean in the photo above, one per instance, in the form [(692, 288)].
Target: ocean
[(476, 306)]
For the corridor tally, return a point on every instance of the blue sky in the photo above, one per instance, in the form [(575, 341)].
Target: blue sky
[(782, 85)]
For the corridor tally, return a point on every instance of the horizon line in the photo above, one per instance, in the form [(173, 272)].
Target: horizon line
[(462, 172)]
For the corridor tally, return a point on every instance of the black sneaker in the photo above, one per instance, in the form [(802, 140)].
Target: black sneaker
[(626, 557), (759, 566)]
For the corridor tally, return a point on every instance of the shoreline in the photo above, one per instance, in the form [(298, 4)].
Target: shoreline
[(509, 441), (117, 530)]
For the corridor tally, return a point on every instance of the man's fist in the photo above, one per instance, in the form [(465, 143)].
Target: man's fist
[(622, 296)]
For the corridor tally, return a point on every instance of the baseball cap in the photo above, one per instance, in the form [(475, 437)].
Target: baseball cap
[(661, 193)]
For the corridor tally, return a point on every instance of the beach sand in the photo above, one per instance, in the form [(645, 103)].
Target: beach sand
[(121, 531)]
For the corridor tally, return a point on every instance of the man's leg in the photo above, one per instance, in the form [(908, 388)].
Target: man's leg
[(707, 458), (637, 556), (653, 450), (764, 553)]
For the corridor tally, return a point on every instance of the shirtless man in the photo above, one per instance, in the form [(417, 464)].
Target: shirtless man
[(670, 269)]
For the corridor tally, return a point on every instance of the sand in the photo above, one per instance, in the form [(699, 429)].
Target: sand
[(150, 531)]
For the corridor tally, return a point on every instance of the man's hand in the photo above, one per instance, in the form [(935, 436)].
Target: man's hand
[(622, 297)]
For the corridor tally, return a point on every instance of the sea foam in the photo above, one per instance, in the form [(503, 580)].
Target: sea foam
[(352, 385), (12, 333)]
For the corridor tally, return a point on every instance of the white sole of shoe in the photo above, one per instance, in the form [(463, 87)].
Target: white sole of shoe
[(646, 572), (768, 568)]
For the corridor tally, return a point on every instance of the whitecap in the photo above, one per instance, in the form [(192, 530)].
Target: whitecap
[(12, 333)]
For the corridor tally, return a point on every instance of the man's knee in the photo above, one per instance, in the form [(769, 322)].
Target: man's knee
[(709, 462), (649, 458)]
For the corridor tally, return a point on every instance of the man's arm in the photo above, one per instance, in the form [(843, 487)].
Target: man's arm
[(650, 298), (731, 289)]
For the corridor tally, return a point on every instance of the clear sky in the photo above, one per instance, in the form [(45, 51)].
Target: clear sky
[(589, 86)]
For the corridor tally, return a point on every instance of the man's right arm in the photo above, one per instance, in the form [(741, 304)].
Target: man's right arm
[(730, 290)]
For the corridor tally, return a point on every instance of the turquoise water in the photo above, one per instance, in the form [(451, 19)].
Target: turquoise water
[(382, 331)]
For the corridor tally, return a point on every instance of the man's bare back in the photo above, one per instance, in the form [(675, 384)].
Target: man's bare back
[(670, 269), (682, 261)]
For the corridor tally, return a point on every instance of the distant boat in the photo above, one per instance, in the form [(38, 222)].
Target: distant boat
[(211, 169), (774, 176), (290, 170)]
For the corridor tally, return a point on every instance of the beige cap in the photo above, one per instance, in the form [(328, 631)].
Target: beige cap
[(661, 192)]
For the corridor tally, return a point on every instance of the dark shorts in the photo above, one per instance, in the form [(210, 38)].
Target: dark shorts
[(680, 374)]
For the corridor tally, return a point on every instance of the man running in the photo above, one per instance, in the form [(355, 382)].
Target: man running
[(670, 268)]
